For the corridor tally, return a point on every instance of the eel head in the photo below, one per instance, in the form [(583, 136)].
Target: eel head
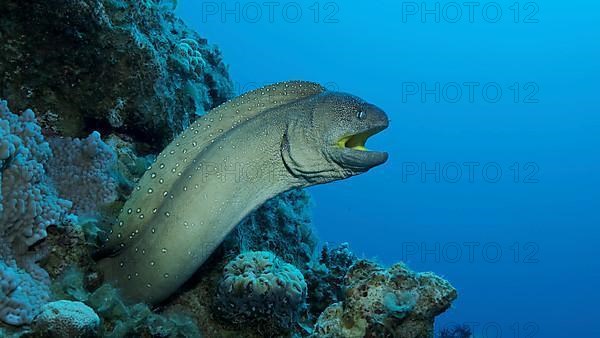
[(332, 145)]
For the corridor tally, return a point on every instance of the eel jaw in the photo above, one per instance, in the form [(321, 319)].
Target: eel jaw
[(358, 141), (353, 154)]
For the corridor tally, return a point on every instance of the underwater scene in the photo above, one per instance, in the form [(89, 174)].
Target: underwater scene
[(335, 169)]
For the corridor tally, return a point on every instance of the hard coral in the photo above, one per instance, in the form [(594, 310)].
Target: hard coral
[(260, 287), (22, 292)]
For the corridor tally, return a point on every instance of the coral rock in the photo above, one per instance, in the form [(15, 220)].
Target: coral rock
[(386, 303)]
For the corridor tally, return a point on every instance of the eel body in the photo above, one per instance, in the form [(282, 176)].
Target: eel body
[(225, 165)]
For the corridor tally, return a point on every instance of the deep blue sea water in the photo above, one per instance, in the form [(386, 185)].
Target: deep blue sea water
[(493, 178)]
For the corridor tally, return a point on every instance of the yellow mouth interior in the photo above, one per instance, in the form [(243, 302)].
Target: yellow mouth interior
[(356, 142)]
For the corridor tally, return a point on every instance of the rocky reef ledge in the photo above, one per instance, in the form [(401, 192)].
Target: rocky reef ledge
[(94, 89), (119, 66)]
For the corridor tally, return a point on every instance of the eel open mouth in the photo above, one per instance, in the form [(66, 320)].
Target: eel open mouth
[(358, 141)]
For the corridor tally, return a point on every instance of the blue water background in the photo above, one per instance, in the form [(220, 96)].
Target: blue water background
[(523, 250)]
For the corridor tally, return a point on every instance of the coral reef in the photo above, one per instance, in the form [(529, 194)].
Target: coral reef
[(386, 303), (133, 71), (331, 324), (121, 319), (23, 290), (346, 297), (358, 298), (29, 205), (69, 245), (259, 287), (29, 202), (65, 318), (116, 65)]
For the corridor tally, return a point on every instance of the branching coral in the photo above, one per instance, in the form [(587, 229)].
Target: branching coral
[(22, 292), (259, 287)]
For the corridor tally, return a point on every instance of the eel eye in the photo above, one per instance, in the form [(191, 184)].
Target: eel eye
[(361, 115)]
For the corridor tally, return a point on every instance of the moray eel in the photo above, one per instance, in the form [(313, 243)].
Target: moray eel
[(228, 163)]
